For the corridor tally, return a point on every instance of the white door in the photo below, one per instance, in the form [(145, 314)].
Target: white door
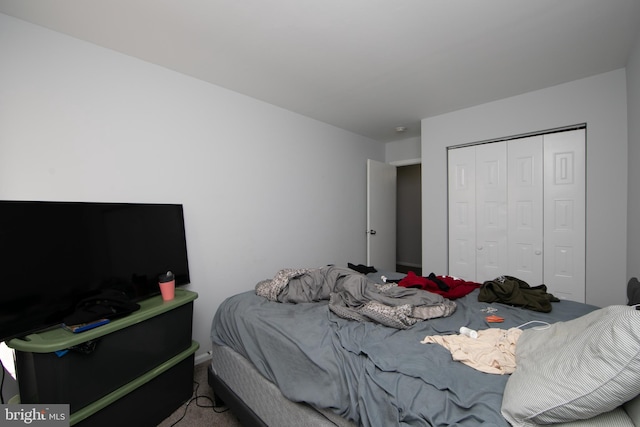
[(381, 215), (565, 218), (491, 211), (462, 212), (525, 209), (478, 212)]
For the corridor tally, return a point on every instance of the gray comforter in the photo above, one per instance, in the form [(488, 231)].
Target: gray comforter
[(366, 372), (354, 296)]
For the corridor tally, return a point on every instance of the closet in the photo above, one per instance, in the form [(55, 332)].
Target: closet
[(517, 208)]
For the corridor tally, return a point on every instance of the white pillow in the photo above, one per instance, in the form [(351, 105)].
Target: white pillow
[(576, 369)]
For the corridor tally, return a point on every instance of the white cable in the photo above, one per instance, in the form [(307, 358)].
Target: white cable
[(538, 328)]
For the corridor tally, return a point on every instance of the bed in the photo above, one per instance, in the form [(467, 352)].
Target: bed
[(308, 364)]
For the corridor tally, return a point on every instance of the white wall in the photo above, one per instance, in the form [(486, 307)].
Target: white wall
[(403, 152), (263, 188), (633, 103), (600, 102)]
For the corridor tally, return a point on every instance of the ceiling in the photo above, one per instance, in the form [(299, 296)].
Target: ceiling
[(367, 66)]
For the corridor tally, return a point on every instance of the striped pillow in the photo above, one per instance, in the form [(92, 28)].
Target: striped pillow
[(576, 369)]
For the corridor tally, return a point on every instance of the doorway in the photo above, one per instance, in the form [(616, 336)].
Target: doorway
[(409, 219)]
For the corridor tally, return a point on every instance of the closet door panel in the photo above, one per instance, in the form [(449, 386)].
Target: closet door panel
[(491, 214), (565, 220), (462, 213), (525, 209)]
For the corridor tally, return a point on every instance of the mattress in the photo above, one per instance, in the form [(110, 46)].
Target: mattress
[(268, 407), (363, 372), (263, 397)]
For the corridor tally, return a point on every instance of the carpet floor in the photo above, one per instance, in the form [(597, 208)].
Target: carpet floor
[(199, 410)]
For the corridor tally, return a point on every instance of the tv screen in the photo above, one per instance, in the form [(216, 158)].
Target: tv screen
[(54, 254)]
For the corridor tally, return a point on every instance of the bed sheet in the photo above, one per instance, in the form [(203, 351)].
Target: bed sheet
[(368, 373)]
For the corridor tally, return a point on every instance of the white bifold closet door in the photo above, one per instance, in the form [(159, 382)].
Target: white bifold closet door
[(491, 211), (517, 208), (564, 214), (525, 207)]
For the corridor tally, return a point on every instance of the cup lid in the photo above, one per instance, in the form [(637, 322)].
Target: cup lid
[(166, 277)]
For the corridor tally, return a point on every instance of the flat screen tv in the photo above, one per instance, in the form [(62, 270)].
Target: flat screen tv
[(54, 254)]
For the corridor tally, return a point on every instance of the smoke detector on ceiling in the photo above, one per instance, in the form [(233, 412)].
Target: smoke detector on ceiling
[(401, 129)]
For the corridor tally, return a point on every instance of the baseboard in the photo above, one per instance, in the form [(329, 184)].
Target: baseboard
[(406, 267), (201, 358), (409, 264)]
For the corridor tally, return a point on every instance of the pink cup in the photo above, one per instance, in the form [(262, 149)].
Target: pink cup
[(168, 290), (167, 283)]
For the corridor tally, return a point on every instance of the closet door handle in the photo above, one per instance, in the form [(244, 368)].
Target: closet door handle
[(479, 248), (538, 252)]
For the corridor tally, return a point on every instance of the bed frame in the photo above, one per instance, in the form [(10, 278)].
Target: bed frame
[(224, 396), (257, 402)]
